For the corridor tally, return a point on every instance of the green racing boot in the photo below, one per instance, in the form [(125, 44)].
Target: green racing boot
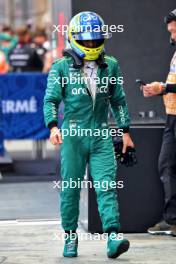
[(115, 246), (71, 245)]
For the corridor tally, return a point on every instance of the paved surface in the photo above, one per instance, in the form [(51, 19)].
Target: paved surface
[(31, 241), (31, 200), (40, 243)]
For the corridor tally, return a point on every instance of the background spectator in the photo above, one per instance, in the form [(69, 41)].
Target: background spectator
[(24, 56), (7, 29), (40, 40), (7, 42), (4, 67)]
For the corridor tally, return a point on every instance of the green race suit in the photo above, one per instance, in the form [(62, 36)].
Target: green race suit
[(82, 112)]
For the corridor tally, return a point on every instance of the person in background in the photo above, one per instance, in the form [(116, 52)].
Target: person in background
[(167, 159), (7, 29), (24, 57), (7, 41), (39, 39), (4, 67)]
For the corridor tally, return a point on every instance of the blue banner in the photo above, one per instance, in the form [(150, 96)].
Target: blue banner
[(21, 97), (1, 132)]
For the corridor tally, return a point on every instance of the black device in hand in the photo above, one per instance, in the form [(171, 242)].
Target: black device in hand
[(140, 82)]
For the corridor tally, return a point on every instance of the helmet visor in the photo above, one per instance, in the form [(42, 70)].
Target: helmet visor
[(91, 35), (94, 43)]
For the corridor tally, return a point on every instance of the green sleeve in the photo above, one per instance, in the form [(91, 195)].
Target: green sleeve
[(14, 42), (53, 96), (118, 102)]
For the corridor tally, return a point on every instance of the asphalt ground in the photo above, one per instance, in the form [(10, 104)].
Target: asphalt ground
[(39, 242), (30, 227)]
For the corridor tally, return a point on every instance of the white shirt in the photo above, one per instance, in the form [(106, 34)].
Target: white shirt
[(90, 70)]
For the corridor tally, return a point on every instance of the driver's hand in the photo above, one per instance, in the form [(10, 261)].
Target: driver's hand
[(55, 136), (127, 142)]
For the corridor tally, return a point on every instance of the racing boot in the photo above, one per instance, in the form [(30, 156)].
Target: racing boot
[(71, 245), (115, 246)]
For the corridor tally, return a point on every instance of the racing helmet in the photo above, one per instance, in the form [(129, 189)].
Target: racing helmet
[(87, 26)]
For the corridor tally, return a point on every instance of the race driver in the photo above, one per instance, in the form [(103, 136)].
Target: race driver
[(86, 107), (167, 159)]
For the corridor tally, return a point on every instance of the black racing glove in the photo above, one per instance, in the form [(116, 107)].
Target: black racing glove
[(128, 158)]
